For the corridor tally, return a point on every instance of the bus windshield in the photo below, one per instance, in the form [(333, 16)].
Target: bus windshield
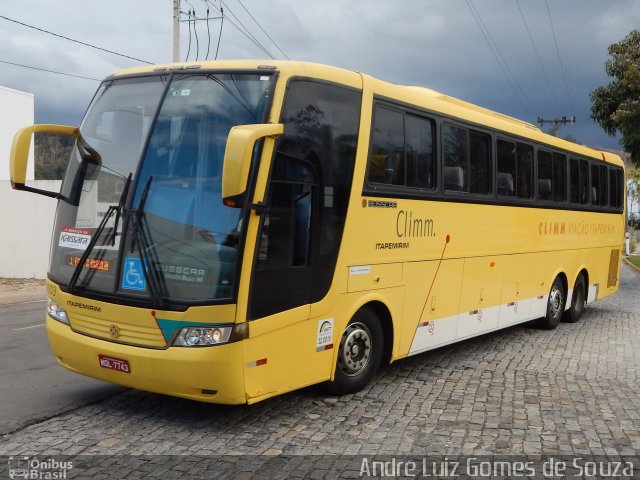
[(142, 214)]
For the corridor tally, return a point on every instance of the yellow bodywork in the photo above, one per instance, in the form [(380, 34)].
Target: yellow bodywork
[(463, 270)]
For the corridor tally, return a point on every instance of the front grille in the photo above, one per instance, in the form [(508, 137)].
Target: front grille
[(126, 332)]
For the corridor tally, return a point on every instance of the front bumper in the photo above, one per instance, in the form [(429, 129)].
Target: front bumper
[(207, 374)]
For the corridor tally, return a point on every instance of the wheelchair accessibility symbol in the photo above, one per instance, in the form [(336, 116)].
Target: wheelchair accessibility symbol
[(133, 276)]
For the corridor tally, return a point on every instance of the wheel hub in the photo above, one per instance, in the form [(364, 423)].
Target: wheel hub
[(355, 349)]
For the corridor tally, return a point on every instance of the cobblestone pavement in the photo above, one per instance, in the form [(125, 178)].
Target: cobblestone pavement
[(521, 391)]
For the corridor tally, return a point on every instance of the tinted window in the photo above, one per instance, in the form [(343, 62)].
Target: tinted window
[(386, 162), (515, 165), (558, 193), (525, 171), (480, 162), (584, 182), (574, 180), (507, 171), (401, 150), (615, 188), (420, 167), (456, 159), (467, 160), (308, 195), (544, 175)]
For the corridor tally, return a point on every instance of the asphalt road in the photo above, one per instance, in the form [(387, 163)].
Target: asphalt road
[(33, 386)]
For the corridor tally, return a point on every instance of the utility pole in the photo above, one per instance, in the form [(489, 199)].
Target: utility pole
[(176, 30), (556, 122)]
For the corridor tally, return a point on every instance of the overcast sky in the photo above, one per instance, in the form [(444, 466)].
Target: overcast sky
[(434, 43)]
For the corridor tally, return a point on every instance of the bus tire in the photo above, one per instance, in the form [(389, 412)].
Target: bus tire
[(573, 314), (359, 353), (555, 306)]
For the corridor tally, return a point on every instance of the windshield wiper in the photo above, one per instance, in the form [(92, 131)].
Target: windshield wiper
[(117, 209), (148, 257)]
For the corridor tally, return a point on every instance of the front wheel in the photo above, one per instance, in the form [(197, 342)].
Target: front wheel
[(359, 353), (555, 306), (573, 314)]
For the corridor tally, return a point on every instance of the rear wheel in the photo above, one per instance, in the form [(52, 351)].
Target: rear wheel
[(578, 299), (359, 353), (555, 306)]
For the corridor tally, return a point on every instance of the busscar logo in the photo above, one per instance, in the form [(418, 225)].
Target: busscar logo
[(381, 204)]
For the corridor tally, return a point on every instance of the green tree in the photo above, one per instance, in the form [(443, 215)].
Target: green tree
[(51, 155), (616, 106)]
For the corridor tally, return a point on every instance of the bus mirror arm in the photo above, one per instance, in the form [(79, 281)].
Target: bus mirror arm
[(238, 159), (19, 156)]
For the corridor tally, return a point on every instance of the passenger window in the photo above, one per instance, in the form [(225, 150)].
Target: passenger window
[(420, 166), (544, 175), (386, 162), (574, 180), (456, 164), (525, 171), (480, 162), (599, 195), (604, 198), (615, 188), (559, 191), (507, 173), (401, 150), (584, 182)]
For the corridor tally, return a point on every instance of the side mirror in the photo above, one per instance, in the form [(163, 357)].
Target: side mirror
[(20, 154), (237, 158)]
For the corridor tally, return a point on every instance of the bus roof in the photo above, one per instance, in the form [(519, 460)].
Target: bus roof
[(413, 95)]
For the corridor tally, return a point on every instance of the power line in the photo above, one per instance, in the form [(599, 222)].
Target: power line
[(555, 41), (502, 63), (535, 49), (263, 30), (255, 40), (50, 71), (245, 32), (73, 40)]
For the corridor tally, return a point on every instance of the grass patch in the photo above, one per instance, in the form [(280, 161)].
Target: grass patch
[(635, 260)]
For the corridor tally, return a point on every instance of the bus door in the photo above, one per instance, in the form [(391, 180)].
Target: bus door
[(299, 239)]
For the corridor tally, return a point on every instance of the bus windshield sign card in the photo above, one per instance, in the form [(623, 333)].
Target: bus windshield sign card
[(133, 276)]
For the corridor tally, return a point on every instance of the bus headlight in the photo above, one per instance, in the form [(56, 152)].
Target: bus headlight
[(55, 311), (203, 336)]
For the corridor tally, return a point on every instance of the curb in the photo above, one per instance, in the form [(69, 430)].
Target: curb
[(636, 268)]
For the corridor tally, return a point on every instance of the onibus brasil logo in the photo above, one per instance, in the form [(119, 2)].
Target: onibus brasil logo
[(34, 468)]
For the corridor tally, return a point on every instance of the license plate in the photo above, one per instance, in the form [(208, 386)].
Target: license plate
[(112, 363)]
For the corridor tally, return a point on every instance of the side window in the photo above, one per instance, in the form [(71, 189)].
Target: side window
[(595, 185), (507, 173), (584, 182), (559, 191), (604, 198), (544, 175), (515, 169), (599, 196), (401, 150), (615, 188), (420, 165), (525, 171), (386, 162), (480, 162), (455, 148), (574, 180)]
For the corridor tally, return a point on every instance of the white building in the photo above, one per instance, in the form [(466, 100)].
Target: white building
[(26, 218)]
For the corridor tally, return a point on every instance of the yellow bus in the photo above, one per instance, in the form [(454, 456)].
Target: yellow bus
[(229, 231)]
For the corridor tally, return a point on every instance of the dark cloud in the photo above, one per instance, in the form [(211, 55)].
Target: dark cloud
[(434, 43)]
